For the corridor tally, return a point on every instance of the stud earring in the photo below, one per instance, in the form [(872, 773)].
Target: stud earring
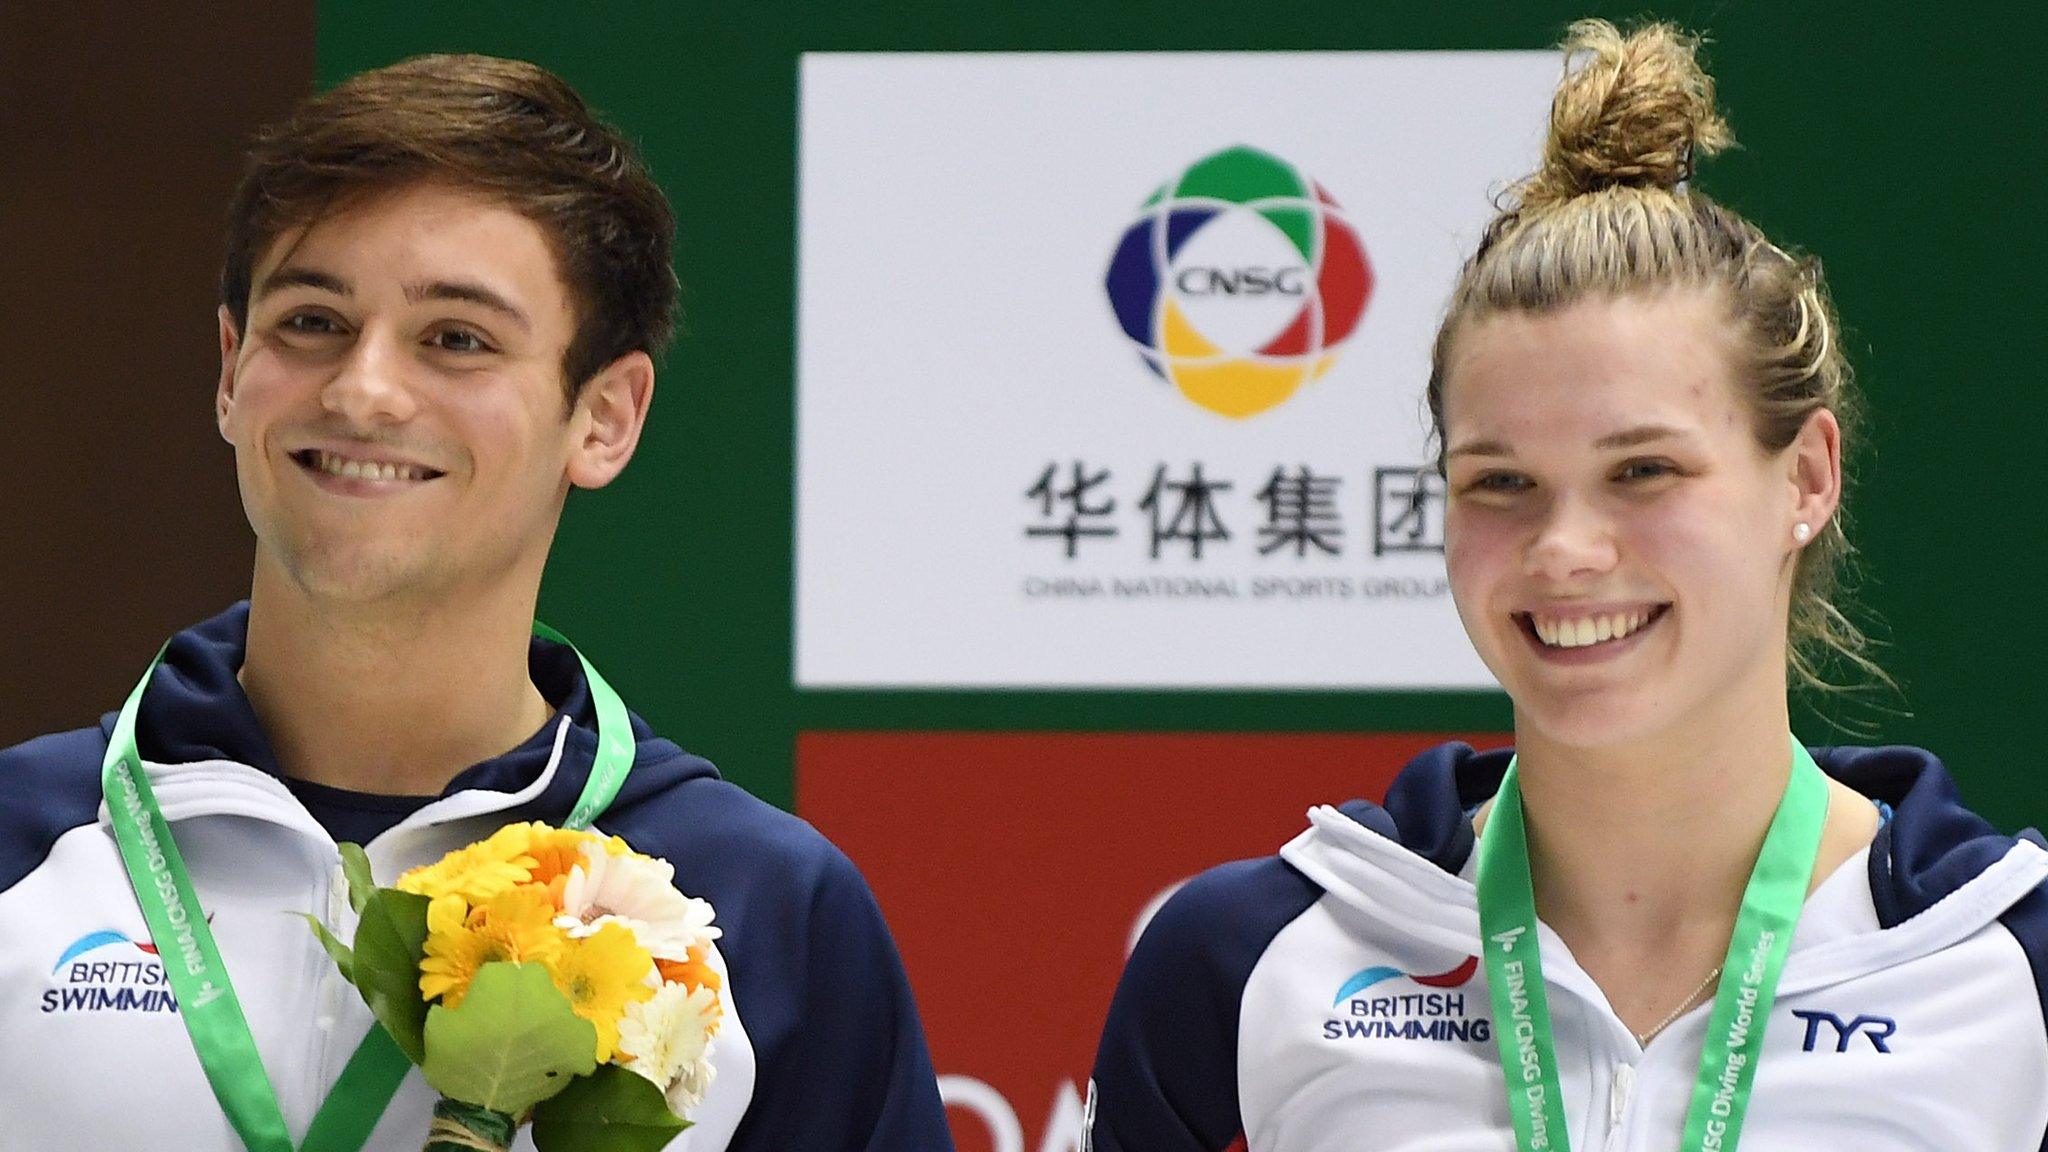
[(1802, 532)]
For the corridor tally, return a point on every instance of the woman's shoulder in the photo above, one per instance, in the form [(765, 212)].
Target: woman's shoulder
[(1216, 925), (1936, 862)]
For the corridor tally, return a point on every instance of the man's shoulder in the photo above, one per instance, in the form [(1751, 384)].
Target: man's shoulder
[(719, 835), (48, 786)]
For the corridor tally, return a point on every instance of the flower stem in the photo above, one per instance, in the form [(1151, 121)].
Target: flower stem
[(460, 1127)]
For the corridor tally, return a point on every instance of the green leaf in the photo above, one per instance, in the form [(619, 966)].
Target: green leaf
[(355, 865), (391, 939), (513, 1043), (339, 952), (610, 1110)]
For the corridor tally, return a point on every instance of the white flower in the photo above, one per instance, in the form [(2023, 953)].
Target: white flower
[(667, 1039), (639, 893), (687, 1090)]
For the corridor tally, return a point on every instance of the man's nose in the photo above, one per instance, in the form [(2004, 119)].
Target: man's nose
[(370, 387)]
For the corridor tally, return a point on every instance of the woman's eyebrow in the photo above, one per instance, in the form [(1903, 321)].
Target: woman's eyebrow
[(1641, 434), (1626, 438), (1479, 448)]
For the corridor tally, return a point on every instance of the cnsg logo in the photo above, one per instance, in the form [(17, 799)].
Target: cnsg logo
[(1239, 281)]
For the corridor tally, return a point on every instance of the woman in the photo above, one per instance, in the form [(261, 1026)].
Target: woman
[(1660, 922)]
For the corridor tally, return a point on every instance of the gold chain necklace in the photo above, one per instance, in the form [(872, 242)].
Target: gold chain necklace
[(1643, 1038)]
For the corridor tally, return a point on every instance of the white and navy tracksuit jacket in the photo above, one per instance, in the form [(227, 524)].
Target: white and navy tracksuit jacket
[(1330, 997), (821, 1049)]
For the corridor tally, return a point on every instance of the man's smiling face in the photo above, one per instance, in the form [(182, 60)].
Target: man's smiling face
[(396, 400)]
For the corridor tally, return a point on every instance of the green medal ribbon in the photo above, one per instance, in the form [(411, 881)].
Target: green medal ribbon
[(192, 962), (1742, 1003)]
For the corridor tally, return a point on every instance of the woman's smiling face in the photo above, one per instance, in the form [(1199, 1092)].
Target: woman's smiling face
[(1620, 547)]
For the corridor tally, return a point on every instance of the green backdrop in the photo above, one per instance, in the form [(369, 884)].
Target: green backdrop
[(1895, 139)]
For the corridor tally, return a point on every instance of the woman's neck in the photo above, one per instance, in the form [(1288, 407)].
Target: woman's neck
[(1639, 854), (1636, 847), (388, 698)]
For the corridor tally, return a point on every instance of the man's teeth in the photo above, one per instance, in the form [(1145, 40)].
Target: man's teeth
[(1577, 632), (365, 469)]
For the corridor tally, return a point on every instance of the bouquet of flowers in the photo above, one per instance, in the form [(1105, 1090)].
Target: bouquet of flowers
[(542, 975)]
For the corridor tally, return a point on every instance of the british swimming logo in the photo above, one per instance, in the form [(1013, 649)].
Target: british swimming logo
[(1383, 1003), (109, 971), (1239, 281)]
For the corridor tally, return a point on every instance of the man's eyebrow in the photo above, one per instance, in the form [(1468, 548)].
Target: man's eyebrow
[(468, 292), (297, 277)]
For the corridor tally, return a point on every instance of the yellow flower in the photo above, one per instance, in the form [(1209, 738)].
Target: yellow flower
[(601, 974), (478, 872), (514, 925)]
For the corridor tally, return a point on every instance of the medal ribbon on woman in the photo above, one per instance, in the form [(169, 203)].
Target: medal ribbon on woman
[(1771, 902), (192, 963)]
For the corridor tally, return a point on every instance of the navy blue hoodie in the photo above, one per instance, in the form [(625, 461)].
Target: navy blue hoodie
[(822, 1049), (1330, 996)]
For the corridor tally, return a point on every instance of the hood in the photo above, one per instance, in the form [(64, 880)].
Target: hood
[(1399, 861), (195, 711)]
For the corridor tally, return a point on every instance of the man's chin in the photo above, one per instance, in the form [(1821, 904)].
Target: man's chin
[(359, 577)]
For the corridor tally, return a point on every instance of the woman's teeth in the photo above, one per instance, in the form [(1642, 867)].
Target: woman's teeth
[(1580, 631)]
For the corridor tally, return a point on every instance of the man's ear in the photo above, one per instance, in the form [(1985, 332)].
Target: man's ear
[(607, 419), (224, 392)]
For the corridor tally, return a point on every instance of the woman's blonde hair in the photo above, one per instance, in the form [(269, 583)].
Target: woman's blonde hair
[(1610, 213)]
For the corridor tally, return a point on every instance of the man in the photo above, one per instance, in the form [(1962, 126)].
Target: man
[(444, 285)]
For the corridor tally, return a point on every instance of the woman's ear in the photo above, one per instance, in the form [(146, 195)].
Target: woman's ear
[(1814, 470)]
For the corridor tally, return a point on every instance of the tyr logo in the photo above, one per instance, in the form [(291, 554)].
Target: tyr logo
[(1876, 1029)]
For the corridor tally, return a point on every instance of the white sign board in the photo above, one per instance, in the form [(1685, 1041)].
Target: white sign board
[(1110, 366)]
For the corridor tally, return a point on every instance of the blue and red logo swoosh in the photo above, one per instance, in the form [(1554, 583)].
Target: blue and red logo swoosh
[(92, 940), (1366, 978)]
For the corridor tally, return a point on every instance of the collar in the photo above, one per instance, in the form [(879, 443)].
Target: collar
[(195, 710), (1931, 847)]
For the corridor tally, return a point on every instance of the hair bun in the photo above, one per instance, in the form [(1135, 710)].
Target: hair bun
[(1632, 109)]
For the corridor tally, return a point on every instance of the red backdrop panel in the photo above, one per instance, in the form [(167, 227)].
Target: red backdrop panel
[(1014, 867)]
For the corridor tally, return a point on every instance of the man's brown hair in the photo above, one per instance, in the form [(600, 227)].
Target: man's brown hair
[(502, 128)]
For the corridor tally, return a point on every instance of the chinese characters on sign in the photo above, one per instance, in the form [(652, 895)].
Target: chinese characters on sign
[(1301, 510), (1073, 499), (1194, 519), (1296, 510), (1408, 510)]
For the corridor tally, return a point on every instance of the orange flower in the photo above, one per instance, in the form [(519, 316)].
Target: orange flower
[(554, 852), (694, 972), (557, 850)]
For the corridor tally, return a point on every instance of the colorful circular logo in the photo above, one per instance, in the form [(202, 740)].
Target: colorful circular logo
[(1239, 281)]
